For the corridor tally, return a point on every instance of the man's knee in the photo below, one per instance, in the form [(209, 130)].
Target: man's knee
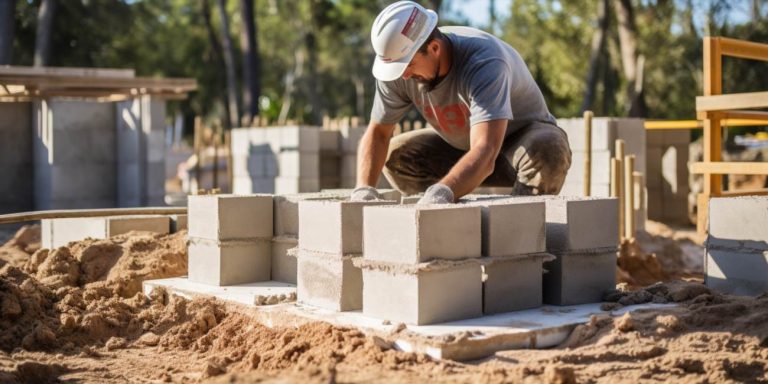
[(543, 160)]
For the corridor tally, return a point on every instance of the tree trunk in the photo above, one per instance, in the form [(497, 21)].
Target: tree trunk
[(251, 67), (7, 30), (313, 93), (628, 39), (290, 85), (43, 33), (218, 56), (597, 49), (229, 64)]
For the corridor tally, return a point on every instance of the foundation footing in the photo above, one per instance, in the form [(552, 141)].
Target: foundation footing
[(460, 340)]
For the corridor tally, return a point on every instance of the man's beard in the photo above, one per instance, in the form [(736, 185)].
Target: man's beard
[(425, 85)]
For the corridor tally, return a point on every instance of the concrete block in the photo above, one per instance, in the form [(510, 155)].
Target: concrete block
[(428, 297), (414, 234), (289, 185), (601, 167), (286, 209), (603, 133), (578, 223), (348, 166), (737, 272), (329, 282), (283, 264), (329, 140), (738, 222), (513, 226), (579, 278), (302, 139), (334, 227), (350, 137), (330, 166), (59, 232), (230, 217), (228, 263), (576, 188), (178, 223), (295, 164), (246, 185), (512, 285)]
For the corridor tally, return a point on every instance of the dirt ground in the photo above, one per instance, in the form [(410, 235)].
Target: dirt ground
[(77, 314)]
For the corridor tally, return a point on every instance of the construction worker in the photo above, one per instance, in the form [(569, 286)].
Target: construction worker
[(491, 126)]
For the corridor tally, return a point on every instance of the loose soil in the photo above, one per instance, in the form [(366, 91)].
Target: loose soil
[(77, 313)]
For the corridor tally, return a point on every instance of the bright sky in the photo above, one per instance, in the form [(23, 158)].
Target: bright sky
[(478, 11)]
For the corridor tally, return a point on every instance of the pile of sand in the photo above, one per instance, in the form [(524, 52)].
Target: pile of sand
[(24, 243)]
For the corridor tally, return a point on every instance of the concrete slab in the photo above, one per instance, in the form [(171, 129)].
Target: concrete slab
[(228, 263), (246, 294), (535, 328), (417, 233), (334, 227), (230, 217), (579, 278), (329, 282), (427, 297)]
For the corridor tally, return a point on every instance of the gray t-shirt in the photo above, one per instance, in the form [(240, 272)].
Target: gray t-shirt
[(488, 80)]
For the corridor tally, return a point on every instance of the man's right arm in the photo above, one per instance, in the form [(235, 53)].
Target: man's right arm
[(372, 153)]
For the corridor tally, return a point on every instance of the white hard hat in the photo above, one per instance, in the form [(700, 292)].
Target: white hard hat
[(397, 33)]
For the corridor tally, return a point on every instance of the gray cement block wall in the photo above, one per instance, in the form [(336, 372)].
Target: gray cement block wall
[(737, 245), (668, 177), (426, 298), (66, 175), (16, 157), (59, 232), (413, 234), (605, 131)]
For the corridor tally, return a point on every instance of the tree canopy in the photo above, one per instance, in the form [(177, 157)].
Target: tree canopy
[(314, 56)]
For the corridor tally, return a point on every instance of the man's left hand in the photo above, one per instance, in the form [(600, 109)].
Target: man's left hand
[(437, 194)]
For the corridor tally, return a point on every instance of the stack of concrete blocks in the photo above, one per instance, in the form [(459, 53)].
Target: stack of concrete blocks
[(582, 235), (56, 233), (350, 138), (140, 134), (605, 132), (421, 263), (667, 178), (737, 245), (74, 154), (284, 160), (514, 250), (286, 227), (254, 160), (16, 188), (330, 238), (229, 239)]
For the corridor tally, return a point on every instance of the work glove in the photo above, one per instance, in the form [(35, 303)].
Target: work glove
[(437, 194), (365, 194)]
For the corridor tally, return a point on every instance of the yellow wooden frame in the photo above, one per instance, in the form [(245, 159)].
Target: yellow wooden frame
[(716, 109)]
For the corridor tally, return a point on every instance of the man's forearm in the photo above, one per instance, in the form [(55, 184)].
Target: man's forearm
[(372, 153), (469, 172)]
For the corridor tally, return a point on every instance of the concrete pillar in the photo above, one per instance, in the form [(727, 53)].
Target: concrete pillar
[(74, 154), (16, 156)]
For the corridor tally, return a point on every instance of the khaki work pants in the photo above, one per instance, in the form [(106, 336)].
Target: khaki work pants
[(533, 161)]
